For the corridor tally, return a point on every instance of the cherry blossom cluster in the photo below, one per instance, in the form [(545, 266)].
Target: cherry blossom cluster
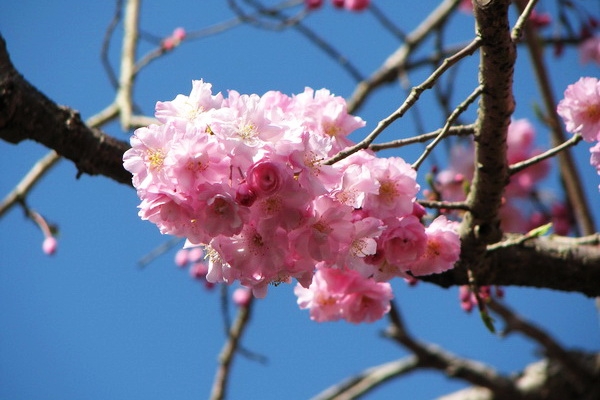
[(517, 214), (580, 110), (245, 177)]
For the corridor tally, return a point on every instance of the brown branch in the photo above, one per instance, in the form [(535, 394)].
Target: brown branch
[(514, 168), (461, 130), (369, 379), (392, 67), (554, 262), (412, 98), (577, 372), (229, 350), (481, 226), (28, 114), (20, 191), (434, 357)]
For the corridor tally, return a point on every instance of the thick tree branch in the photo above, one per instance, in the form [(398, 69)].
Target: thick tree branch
[(560, 263), (481, 226), (25, 113)]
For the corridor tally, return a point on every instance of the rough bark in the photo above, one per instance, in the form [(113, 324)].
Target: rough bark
[(26, 113)]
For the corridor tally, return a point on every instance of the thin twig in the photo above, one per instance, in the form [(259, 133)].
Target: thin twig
[(461, 130), (128, 52), (35, 173), (444, 205), (112, 77), (229, 350), (517, 167), (517, 31), (409, 102), (392, 66), (462, 107), (369, 379)]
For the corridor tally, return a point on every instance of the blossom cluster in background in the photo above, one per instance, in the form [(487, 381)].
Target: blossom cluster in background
[(518, 214), (245, 177), (580, 110)]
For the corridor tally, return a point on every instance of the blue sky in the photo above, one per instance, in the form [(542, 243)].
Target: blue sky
[(88, 323)]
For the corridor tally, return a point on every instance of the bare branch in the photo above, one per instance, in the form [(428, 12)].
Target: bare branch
[(577, 372), (128, 52), (514, 168), (37, 171), (481, 226), (229, 350), (28, 114), (394, 64), (444, 205), (449, 121), (412, 98), (434, 357), (369, 379), (461, 130)]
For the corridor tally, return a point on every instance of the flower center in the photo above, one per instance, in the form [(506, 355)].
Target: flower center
[(593, 112), (156, 158), (388, 191)]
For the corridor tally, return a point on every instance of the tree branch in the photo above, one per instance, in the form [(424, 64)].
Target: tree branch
[(229, 350), (369, 379), (25, 113), (481, 225)]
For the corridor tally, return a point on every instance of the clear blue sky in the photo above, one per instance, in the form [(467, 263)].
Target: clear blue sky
[(88, 323)]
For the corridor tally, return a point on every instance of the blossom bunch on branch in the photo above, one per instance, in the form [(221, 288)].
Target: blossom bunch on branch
[(244, 176)]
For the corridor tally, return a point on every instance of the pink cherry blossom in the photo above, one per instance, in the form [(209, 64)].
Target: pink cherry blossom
[(452, 183), (520, 142), (595, 158), (397, 188), (356, 5), (344, 294), (443, 248), (580, 108), (402, 243), (185, 109), (242, 296), (589, 50)]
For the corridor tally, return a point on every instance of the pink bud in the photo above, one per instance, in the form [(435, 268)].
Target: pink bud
[(244, 195), (464, 293), (49, 245), (198, 270), (313, 4), (181, 258), (241, 296), (466, 305), (179, 34), (168, 43), (265, 178), (356, 5), (196, 254)]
